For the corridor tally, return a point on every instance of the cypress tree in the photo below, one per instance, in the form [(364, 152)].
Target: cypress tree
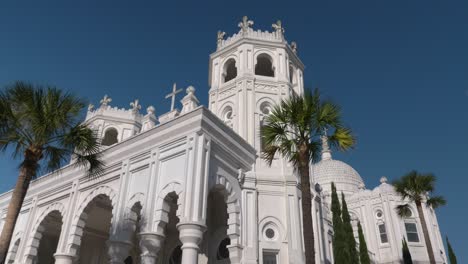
[(452, 257), (350, 242), (406, 253), (363, 252), (340, 253)]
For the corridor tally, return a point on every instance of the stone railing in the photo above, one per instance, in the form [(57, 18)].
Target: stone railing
[(252, 34)]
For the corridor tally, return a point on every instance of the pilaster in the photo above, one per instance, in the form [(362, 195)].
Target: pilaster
[(249, 219)]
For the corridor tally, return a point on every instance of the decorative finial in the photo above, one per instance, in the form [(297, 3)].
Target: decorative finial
[(383, 180), (150, 110), (245, 24), (279, 28), (135, 106), (326, 153), (173, 95), (190, 90), (105, 101), (220, 38), (90, 107), (294, 47), (190, 101)]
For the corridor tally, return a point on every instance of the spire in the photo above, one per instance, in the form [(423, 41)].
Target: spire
[(326, 152)]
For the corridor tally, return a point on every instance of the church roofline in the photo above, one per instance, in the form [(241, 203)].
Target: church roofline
[(200, 119)]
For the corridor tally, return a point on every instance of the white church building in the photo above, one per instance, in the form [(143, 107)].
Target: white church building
[(188, 186)]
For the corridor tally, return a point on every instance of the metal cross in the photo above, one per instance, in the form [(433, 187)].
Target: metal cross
[(173, 95)]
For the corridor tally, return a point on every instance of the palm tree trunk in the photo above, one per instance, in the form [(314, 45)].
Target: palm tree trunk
[(308, 228), (430, 252), (27, 172)]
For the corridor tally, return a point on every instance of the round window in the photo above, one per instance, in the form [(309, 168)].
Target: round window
[(379, 214), (270, 233)]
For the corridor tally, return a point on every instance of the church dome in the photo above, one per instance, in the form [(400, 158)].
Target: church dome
[(328, 170), (346, 179)]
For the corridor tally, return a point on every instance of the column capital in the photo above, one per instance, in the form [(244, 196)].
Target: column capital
[(64, 258), (191, 234), (118, 251), (150, 244)]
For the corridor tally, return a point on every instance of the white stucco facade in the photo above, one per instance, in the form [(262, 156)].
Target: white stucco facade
[(188, 186)]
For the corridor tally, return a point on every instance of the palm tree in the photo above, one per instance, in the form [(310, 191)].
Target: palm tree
[(416, 187), (41, 124), (294, 129)]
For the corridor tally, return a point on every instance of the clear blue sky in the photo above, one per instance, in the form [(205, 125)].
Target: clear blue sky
[(398, 68)]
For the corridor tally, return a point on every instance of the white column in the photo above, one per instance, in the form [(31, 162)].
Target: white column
[(191, 235), (150, 245)]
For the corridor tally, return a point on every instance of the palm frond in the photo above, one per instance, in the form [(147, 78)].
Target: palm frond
[(299, 121), (342, 139), (436, 201), (47, 119), (403, 210)]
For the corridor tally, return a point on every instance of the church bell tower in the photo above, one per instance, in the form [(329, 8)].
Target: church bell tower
[(251, 71)]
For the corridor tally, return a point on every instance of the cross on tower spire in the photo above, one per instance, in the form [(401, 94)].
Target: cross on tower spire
[(173, 95)]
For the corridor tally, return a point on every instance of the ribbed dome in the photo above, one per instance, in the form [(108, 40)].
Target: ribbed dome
[(346, 179)]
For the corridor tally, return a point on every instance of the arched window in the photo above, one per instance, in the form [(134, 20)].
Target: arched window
[(110, 137), (265, 109), (264, 66), (229, 70), (223, 252)]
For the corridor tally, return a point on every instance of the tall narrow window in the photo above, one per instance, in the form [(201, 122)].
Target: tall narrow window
[(265, 109), (412, 232), (383, 233), (291, 75), (270, 257)]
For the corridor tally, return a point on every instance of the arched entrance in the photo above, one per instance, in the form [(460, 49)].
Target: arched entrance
[(133, 226), (43, 242), (52, 226), (98, 216), (216, 239), (221, 243), (171, 251)]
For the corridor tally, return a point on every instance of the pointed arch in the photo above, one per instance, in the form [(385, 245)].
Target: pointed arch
[(34, 239), (230, 188), (80, 217), (162, 208)]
